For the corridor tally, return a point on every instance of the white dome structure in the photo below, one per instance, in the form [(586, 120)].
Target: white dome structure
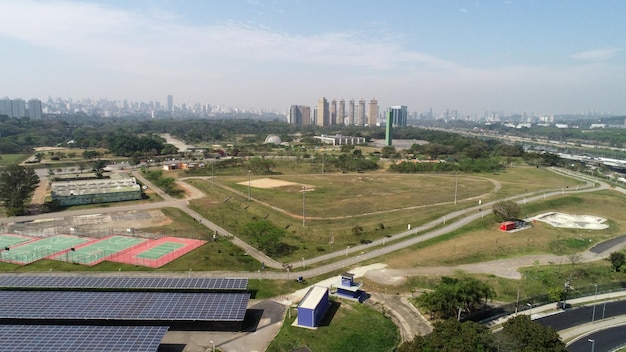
[(272, 138)]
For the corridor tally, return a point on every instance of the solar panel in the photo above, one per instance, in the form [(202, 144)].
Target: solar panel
[(134, 306), (63, 338), (111, 282)]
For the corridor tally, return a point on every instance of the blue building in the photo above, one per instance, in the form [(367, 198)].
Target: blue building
[(347, 288), (313, 307)]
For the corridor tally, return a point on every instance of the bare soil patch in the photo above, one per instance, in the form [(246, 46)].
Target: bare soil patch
[(271, 183)]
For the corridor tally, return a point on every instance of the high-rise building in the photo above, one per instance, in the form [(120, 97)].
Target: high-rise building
[(351, 112), (360, 115), (34, 109), (18, 108), (5, 106), (170, 103), (397, 115), (341, 113), (372, 113), (323, 112), (333, 112), (299, 115)]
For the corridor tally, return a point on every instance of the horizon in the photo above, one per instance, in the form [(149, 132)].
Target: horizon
[(509, 56)]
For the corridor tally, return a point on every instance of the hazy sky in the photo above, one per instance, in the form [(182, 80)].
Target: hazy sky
[(514, 56)]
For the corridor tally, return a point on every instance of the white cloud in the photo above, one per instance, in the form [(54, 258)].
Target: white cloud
[(595, 55)]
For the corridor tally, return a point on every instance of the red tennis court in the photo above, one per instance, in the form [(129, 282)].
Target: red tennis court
[(157, 253)]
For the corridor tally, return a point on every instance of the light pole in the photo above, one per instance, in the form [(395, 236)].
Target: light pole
[(212, 346), (303, 265), (212, 175), (593, 344), (595, 297), (249, 185), (303, 206), (456, 187)]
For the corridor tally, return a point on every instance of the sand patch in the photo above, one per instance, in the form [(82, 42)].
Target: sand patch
[(584, 222), (271, 183)]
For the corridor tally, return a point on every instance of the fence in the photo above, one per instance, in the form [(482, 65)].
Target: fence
[(539, 300)]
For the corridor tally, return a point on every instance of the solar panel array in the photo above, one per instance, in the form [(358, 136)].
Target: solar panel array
[(63, 338), (93, 282), (81, 305)]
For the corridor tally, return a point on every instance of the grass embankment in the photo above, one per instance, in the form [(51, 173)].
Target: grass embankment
[(348, 327), (11, 159)]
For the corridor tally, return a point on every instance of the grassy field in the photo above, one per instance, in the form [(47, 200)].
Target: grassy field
[(350, 327), (10, 159), (381, 203)]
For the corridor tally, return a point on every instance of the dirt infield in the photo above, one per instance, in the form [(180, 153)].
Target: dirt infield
[(271, 183)]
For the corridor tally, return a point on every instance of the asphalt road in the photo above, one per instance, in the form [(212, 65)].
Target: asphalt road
[(603, 340)]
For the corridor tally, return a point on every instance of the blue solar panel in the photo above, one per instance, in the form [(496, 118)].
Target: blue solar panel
[(134, 306), (110, 282), (62, 338)]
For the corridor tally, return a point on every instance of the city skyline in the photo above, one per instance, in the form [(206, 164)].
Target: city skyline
[(471, 57)]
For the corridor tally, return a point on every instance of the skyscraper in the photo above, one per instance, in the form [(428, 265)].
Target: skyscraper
[(372, 113), (333, 112), (323, 112), (341, 113), (398, 115), (360, 117), (351, 113), (300, 115), (34, 109), (5, 106), (18, 108), (170, 103)]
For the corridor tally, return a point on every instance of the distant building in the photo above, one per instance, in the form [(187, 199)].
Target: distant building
[(360, 115), (170, 103), (18, 108), (351, 113), (323, 113), (372, 114), (34, 109), (299, 115), (341, 113), (5, 106), (399, 115), (340, 140), (94, 191), (273, 139), (333, 112)]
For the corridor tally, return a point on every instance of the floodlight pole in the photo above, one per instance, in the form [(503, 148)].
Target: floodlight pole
[(595, 297), (212, 175), (212, 346), (303, 206), (456, 187), (593, 344), (249, 185)]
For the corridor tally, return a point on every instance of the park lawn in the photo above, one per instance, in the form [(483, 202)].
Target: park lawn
[(482, 240), (353, 327), (12, 159)]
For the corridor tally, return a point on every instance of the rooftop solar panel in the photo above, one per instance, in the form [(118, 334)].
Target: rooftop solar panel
[(133, 306), (60, 338), (110, 282)]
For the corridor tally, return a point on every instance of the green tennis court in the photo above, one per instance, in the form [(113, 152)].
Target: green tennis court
[(33, 251), (12, 240), (98, 251), (160, 250)]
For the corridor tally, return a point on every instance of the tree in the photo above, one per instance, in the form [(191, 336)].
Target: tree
[(506, 210), (454, 296), (357, 230), (17, 185), (528, 336), (451, 335), (617, 259)]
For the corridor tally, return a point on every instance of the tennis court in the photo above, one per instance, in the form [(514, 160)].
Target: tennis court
[(12, 240), (42, 248), (158, 252), (98, 251)]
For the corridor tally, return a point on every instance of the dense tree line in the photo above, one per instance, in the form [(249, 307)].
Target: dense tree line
[(17, 185), (519, 334), (453, 297)]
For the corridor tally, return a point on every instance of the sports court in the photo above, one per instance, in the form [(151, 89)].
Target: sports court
[(7, 241), (34, 250), (98, 251), (158, 252)]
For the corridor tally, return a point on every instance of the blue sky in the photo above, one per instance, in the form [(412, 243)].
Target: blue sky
[(545, 57)]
